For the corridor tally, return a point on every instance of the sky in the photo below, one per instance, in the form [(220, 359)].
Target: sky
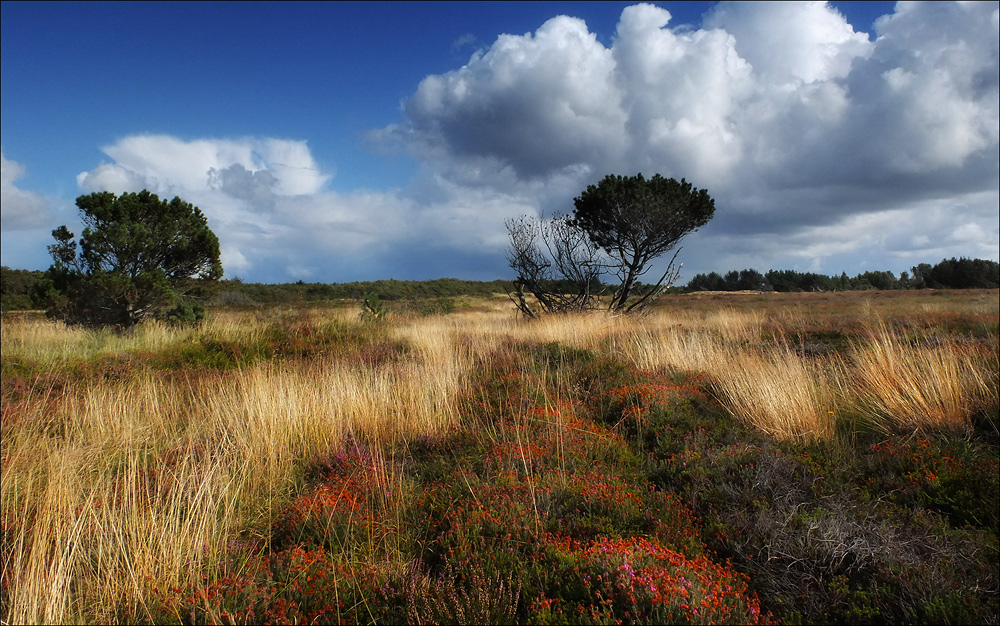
[(335, 142)]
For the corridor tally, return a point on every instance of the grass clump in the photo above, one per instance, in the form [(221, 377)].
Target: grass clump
[(904, 386)]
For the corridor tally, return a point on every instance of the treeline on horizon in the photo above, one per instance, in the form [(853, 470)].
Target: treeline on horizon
[(18, 288), (948, 274)]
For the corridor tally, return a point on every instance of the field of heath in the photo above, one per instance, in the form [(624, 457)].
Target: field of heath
[(747, 458)]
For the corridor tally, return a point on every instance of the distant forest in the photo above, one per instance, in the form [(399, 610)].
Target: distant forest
[(19, 288), (948, 274)]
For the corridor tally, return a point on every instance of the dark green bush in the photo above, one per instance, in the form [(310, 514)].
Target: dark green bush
[(372, 308), (184, 314)]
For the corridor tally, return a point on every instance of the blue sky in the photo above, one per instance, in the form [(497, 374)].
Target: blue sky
[(355, 141)]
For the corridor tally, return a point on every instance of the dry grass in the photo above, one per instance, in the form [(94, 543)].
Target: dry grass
[(897, 383), (768, 386), (779, 393), (103, 511), (116, 486), (52, 343), (904, 385), (149, 480)]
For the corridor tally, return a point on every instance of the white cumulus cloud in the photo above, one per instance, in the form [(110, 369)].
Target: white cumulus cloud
[(826, 148), (20, 209), (265, 199), (537, 102), (818, 45), (811, 135), (163, 163)]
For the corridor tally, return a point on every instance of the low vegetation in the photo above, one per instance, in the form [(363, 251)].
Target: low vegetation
[(24, 289), (771, 458)]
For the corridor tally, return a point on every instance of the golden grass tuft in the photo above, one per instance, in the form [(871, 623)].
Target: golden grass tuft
[(906, 385), (778, 393), (769, 387), (119, 483)]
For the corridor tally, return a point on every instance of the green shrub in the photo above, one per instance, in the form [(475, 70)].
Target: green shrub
[(372, 308), (184, 314)]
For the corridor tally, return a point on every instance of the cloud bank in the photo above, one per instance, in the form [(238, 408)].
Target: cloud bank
[(20, 209), (277, 220), (826, 149), (266, 198), (26, 219)]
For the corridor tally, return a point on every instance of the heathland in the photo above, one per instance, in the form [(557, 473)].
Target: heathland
[(810, 457)]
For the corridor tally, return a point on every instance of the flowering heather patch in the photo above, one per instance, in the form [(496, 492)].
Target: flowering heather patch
[(552, 473), (294, 586), (346, 510), (330, 558), (506, 391), (637, 581), (594, 504), (577, 475), (555, 437), (647, 405), (938, 475), (332, 515), (466, 520), (503, 515), (659, 416)]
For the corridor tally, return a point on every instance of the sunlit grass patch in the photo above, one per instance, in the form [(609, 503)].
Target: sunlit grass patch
[(778, 393), (123, 482), (98, 522), (54, 343), (768, 386), (906, 385)]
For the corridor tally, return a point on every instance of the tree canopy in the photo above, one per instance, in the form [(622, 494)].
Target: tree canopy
[(618, 226), (135, 258), (635, 220)]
